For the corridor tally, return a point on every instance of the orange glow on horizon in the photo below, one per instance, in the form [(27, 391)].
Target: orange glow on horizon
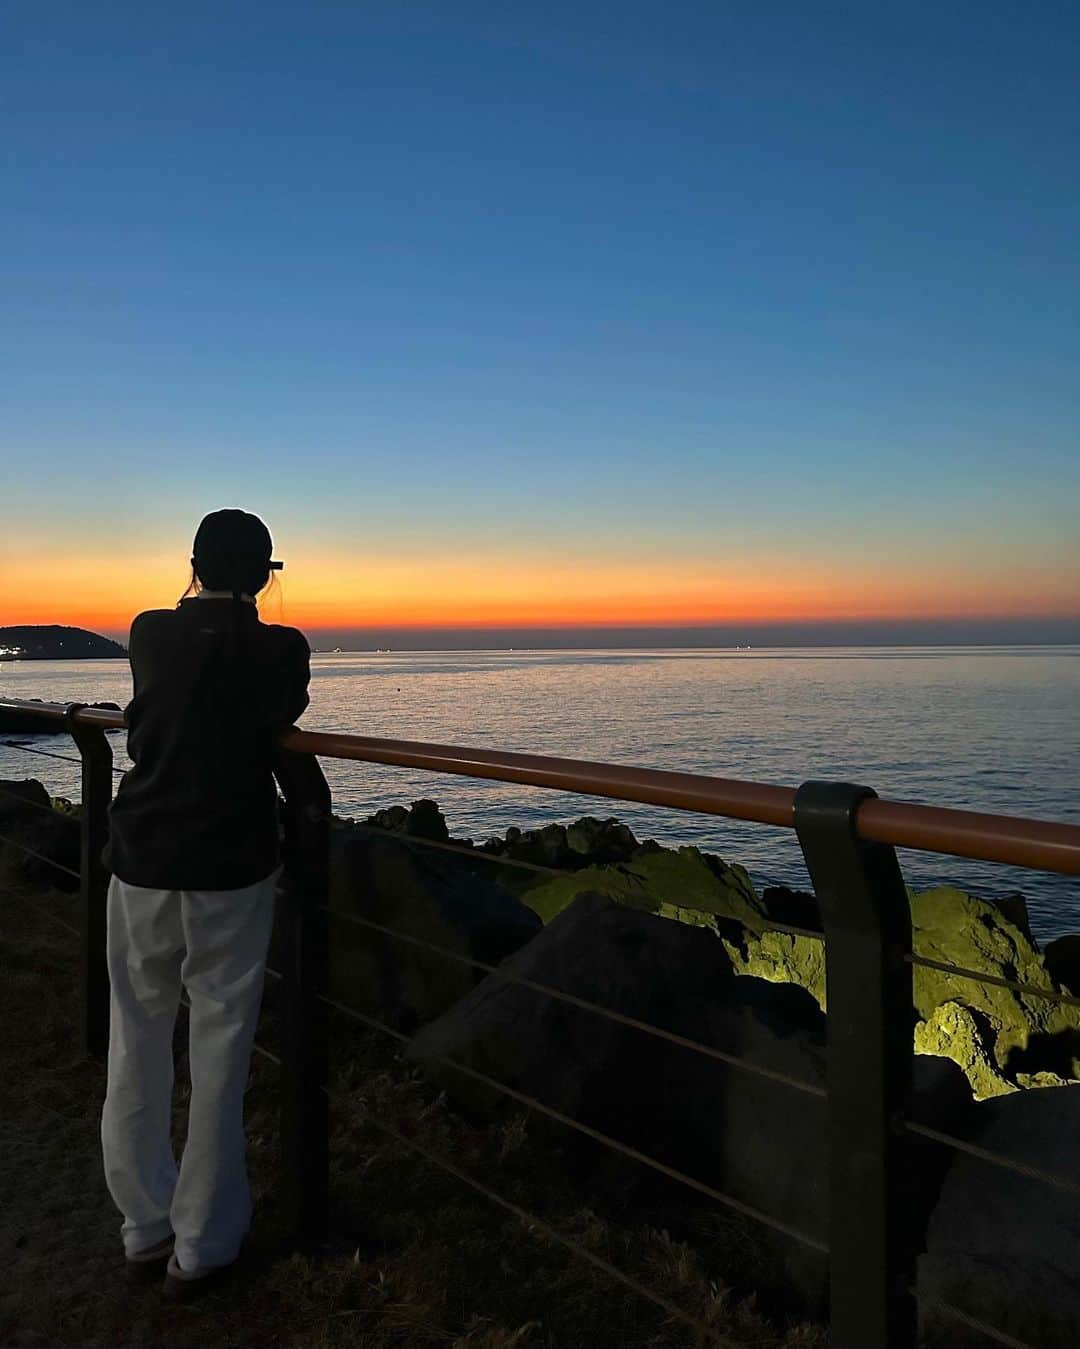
[(324, 593)]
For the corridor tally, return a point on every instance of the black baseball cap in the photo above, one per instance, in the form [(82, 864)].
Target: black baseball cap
[(230, 547)]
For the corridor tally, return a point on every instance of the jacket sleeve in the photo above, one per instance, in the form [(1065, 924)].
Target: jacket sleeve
[(286, 697), (299, 673), (135, 644)]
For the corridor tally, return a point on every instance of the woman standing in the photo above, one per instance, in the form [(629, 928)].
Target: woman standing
[(193, 851)]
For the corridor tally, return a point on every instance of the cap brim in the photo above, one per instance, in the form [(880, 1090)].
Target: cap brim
[(276, 566)]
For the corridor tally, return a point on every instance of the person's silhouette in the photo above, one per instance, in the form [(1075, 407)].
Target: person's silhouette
[(194, 854)]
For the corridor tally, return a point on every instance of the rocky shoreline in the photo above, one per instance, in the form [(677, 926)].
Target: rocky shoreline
[(1004, 1041)]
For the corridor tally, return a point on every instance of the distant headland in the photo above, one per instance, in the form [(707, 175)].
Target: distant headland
[(51, 642)]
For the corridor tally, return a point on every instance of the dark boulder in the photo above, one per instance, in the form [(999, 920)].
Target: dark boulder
[(584, 843), (797, 908), (601, 840), (576, 1060), (545, 847), (391, 818), (758, 1140), (1003, 1246), (17, 799), (1062, 959), (27, 818), (423, 819), (440, 899), (1013, 906)]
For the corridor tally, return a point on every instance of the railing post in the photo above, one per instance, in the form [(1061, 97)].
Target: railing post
[(97, 761), (867, 921), (305, 1149)]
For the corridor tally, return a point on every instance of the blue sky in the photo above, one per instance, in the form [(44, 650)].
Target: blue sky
[(690, 282)]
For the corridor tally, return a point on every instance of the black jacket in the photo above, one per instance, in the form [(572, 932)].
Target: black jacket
[(198, 811)]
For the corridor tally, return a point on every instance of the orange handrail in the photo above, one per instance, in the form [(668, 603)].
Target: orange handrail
[(683, 791), (1038, 844)]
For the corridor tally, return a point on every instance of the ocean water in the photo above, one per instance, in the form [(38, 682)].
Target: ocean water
[(983, 728)]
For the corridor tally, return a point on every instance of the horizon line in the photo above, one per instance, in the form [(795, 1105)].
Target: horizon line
[(1028, 630)]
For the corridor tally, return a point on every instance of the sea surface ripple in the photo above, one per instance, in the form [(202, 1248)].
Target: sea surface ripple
[(983, 728)]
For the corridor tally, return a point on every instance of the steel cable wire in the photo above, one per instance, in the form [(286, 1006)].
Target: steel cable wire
[(1066, 999), (45, 753), (572, 1123), (995, 1158), (612, 1143), (40, 856), (613, 1271), (965, 1318), (708, 1050), (948, 1140), (771, 926), (532, 1221), (49, 754)]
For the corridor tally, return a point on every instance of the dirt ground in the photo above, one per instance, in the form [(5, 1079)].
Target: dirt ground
[(413, 1257)]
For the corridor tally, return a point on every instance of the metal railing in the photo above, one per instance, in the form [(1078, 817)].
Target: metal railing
[(848, 838)]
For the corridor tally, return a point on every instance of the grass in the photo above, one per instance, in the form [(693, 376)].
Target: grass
[(413, 1256)]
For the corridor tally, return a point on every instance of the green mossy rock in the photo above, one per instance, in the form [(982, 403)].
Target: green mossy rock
[(955, 1032), (1002, 1039), (1029, 1033), (782, 958), (1027, 1080), (681, 883), (1062, 958), (549, 898)]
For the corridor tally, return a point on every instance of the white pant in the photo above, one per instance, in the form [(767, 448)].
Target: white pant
[(214, 942)]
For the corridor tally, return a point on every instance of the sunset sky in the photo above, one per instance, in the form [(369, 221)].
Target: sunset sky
[(555, 316)]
